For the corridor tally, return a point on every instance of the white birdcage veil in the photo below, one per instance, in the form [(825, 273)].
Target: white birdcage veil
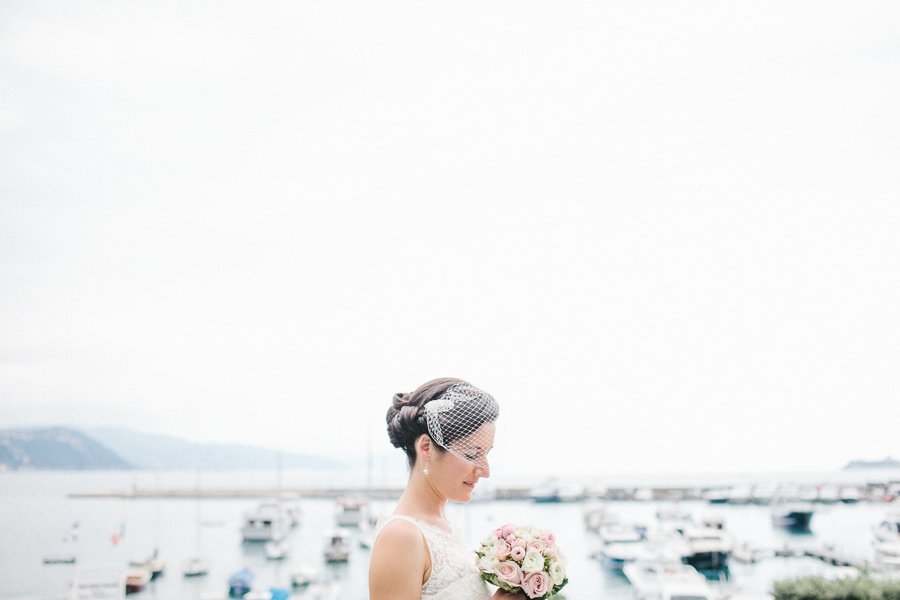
[(456, 422)]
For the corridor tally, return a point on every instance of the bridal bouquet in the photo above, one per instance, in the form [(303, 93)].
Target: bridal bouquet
[(523, 559)]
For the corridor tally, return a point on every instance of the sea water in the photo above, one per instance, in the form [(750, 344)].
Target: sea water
[(36, 514)]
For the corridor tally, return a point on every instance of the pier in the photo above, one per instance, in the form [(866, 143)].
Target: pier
[(839, 559)]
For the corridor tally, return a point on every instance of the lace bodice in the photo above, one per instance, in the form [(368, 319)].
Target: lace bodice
[(454, 574)]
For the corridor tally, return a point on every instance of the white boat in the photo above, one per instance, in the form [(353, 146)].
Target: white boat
[(653, 580), (154, 564), (304, 575), (268, 522), (622, 543), (326, 590), (889, 529), (59, 559), (709, 546), (277, 549), (136, 578), (194, 567), (366, 535), (337, 548), (350, 512)]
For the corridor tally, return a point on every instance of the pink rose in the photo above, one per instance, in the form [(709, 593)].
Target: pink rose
[(509, 572), (508, 530), (536, 584), (502, 550), (510, 539), (518, 542), (536, 545), (547, 537), (498, 533), (518, 553), (549, 551)]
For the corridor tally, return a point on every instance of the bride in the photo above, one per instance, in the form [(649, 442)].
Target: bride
[(446, 428)]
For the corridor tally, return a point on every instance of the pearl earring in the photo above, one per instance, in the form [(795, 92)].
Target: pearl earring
[(426, 467)]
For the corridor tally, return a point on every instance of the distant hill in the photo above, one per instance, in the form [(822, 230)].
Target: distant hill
[(151, 451), (55, 448)]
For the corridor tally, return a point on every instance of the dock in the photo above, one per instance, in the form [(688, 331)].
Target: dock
[(839, 559)]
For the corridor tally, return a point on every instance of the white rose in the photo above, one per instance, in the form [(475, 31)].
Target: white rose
[(533, 562), (488, 563), (489, 541), (557, 573), (526, 533)]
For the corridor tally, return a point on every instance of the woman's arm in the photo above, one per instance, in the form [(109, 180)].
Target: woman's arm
[(400, 563)]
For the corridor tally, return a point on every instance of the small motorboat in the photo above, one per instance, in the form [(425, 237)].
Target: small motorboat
[(195, 567), (59, 559), (136, 578), (277, 550), (304, 576)]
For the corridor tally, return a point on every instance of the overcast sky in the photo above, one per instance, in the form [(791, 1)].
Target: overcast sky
[(664, 235)]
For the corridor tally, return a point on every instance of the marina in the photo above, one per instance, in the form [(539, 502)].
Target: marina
[(321, 545)]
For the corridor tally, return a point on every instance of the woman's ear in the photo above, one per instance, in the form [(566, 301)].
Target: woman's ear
[(424, 446)]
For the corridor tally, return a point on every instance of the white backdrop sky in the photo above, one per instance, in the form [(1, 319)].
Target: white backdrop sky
[(665, 236)]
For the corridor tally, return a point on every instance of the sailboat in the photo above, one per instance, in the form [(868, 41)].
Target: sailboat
[(196, 565), (64, 557)]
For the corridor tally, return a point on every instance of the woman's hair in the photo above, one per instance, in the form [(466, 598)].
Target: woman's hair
[(406, 420)]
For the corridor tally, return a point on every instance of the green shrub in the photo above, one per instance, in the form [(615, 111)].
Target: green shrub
[(850, 588)]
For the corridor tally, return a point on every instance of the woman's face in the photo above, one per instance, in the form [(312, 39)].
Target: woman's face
[(455, 472)]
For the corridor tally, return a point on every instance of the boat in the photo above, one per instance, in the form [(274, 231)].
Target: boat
[(240, 583), (622, 543), (709, 546), (887, 463), (268, 522), (136, 578), (277, 549), (366, 535), (658, 580), (194, 567), (746, 554), (350, 512), (889, 529), (59, 559), (337, 549), (594, 516), (793, 516), (63, 557), (304, 575), (326, 590), (154, 564)]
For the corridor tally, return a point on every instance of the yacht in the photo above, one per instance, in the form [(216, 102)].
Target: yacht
[(350, 512), (337, 548), (709, 546), (655, 580), (793, 516), (268, 522), (622, 544), (889, 529)]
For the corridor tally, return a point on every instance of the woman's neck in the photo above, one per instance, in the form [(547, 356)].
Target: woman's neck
[(422, 501)]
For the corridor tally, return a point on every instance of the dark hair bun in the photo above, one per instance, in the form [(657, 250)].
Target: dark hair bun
[(403, 420), (406, 416)]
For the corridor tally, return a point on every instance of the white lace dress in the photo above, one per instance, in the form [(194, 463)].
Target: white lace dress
[(454, 574)]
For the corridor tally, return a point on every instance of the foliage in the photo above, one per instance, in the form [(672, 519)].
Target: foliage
[(850, 588)]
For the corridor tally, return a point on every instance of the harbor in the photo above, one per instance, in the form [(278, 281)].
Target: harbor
[(180, 540)]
